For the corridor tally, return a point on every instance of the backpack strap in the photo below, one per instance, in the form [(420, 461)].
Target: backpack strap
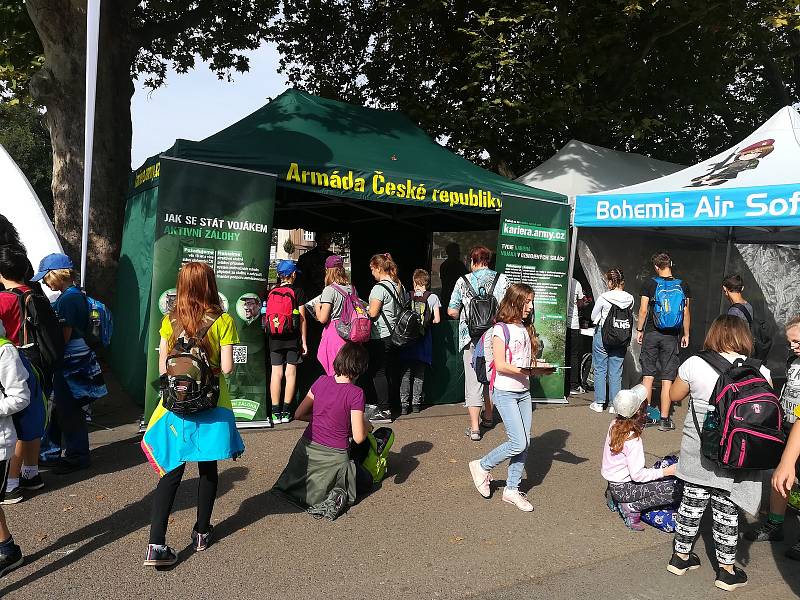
[(395, 299), (469, 289), (717, 361), (743, 309)]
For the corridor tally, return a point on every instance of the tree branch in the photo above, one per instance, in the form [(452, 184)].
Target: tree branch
[(648, 47), (155, 30)]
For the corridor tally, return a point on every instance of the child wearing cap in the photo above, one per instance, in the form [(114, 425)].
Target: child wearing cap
[(630, 484), (286, 327)]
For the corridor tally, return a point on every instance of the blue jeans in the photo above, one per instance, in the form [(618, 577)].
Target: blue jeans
[(607, 365), (516, 410)]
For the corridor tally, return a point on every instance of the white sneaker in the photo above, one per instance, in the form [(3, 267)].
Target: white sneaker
[(480, 478), (611, 410), (596, 407), (518, 499), (576, 391)]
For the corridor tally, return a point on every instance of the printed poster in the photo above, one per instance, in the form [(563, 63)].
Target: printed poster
[(533, 248), (222, 217)]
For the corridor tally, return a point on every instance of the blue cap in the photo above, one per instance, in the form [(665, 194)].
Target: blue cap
[(286, 267), (51, 262)]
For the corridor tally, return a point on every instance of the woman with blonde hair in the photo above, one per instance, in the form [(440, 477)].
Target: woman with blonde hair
[(204, 437), (514, 351), (329, 310), (704, 480)]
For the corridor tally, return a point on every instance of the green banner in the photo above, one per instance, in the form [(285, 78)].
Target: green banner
[(532, 248), (222, 217)]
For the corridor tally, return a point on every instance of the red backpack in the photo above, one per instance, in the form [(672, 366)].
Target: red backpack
[(282, 316)]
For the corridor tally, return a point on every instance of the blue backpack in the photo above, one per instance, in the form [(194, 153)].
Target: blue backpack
[(101, 324), (668, 304)]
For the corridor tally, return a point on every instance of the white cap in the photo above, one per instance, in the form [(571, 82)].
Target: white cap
[(627, 402)]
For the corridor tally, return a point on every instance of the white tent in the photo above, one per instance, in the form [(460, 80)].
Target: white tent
[(580, 168), (20, 205), (754, 185)]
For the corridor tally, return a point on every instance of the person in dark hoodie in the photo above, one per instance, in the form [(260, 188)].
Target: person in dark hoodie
[(608, 361)]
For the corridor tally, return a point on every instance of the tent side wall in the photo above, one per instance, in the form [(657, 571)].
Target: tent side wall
[(134, 280)]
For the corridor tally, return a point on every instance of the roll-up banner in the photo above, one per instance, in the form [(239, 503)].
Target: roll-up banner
[(221, 216), (533, 248)]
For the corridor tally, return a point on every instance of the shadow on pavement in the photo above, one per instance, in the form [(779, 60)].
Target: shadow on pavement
[(110, 458), (403, 463), (133, 517), (545, 449)]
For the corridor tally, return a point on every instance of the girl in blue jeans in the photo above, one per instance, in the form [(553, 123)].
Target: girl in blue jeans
[(608, 362), (512, 367)]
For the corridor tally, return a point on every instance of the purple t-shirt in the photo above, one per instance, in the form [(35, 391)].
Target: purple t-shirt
[(330, 417)]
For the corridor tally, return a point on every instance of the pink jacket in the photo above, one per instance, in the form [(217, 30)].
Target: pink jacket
[(628, 465)]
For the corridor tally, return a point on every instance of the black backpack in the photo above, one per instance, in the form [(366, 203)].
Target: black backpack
[(41, 336), (618, 327), (744, 426), (482, 307), (408, 326), (762, 333), (190, 384), (419, 304)]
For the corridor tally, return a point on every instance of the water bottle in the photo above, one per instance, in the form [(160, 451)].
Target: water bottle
[(94, 322), (712, 420)]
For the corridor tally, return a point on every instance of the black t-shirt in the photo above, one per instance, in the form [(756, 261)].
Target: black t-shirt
[(312, 271), (291, 342), (649, 291)]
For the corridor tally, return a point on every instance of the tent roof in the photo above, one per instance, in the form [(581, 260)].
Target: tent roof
[(581, 168), (22, 207), (756, 183), (324, 138)]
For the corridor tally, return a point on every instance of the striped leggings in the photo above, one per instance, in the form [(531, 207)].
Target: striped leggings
[(725, 529)]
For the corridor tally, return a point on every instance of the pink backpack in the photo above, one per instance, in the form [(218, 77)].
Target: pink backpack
[(354, 324)]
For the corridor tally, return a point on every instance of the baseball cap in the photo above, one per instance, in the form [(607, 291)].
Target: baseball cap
[(627, 402), (333, 261), (286, 268), (51, 262)]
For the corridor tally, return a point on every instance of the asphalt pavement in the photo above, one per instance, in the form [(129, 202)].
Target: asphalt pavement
[(425, 533)]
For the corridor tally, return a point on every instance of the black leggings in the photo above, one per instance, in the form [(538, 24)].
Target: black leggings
[(382, 385), (165, 495)]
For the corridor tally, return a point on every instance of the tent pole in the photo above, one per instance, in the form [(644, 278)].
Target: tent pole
[(728, 249), (573, 244)]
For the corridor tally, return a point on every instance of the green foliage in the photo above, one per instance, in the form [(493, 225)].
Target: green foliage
[(508, 83), (26, 139), (21, 53), (288, 247)]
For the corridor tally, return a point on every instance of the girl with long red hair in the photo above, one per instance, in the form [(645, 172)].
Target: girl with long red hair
[(204, 437)]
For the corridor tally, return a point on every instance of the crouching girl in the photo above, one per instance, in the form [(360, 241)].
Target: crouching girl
[(334, 409), (633, 486)]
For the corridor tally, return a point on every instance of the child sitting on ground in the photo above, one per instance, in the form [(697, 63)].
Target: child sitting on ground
[(416, 358), (15, 396), (334, 410), (630, 484)]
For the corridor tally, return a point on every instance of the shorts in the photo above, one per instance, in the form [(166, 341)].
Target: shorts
[(4, 464), (659, 356), (474, 390), (285, 356), (30, 422)]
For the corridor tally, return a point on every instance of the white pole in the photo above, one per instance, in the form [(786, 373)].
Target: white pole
[(92, 34)]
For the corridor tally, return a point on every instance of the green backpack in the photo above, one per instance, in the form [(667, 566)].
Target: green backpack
[(380, 441)]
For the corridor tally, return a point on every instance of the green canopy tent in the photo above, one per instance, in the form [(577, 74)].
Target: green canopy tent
[(339, 167)]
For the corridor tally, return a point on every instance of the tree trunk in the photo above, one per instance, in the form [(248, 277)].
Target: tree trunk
[(60, 86)]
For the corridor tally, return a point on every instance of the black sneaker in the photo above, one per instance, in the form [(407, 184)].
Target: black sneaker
[(11, 560), (31, 483), (67, 467), (768, 531), (13, 496), (666, 424), (730, 581), (404, 410), (201, 541), (794, 551), (678, 566), (415, 408), (160, 556), (381, 416)]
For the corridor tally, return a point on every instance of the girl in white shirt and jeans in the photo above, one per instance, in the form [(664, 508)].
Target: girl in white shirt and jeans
[(513, 351)]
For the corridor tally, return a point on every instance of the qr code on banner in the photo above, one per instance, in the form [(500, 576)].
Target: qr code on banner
[(239, 355)]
